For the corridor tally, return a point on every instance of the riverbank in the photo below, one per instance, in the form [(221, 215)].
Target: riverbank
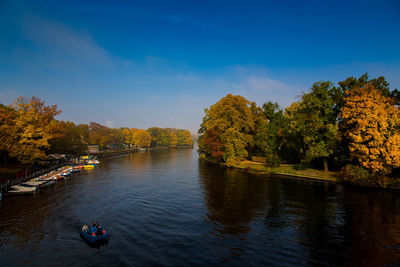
[(283, 169), (299, 171), (289, 170)]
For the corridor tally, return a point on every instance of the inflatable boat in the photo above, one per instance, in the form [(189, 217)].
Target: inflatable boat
[(92, 237)]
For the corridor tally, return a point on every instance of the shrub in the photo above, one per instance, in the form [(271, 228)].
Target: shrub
[(232, 162), (355, 174)]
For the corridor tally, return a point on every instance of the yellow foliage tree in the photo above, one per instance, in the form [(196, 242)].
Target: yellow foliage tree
[(7, 130), (141, 138), (127, 136), (32, 128), (371, 124)]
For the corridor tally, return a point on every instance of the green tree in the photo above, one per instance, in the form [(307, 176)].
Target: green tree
[(293, 146), (269, 136), (316, 119)]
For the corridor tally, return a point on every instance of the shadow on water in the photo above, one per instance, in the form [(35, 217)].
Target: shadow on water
[(97, 244)]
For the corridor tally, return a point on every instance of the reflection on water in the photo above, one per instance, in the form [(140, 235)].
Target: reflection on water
[(170, 208), (303, 222)]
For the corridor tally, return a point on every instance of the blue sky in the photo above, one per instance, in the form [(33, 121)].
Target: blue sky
[(160, 63)]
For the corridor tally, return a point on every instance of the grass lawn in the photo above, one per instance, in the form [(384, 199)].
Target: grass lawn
[(287, 169)]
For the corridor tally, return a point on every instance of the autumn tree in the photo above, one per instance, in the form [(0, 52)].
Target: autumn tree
[(104, 136), (173, 141), (351, 83), (67, 138), (127, 136), (210, 144), (371, 124), (31, 128), (184, 137), (160, 136), (141, 138), (8, 135), (232, 118)]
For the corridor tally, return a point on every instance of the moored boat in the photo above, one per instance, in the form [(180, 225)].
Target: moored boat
[(78, 167)]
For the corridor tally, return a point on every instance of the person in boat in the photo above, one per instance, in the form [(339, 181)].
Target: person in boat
[(85, 228), (96, 229), (99, 231)]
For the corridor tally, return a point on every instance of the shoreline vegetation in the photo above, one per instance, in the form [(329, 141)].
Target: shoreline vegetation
[(349, 132)]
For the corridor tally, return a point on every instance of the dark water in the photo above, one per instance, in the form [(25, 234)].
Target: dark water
[(168, 208)]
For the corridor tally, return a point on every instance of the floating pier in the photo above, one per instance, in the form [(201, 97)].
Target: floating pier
[(38, 183), (22, 190)]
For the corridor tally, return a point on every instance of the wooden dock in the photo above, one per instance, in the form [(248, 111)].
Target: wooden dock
[(38, 183), (22, 190)]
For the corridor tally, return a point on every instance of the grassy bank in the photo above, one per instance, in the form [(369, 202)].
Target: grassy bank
[(287, 169)]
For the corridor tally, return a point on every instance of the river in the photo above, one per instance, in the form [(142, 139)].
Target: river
[(168, 208)]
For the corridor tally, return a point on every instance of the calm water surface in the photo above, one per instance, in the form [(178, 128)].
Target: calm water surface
[(168, 208)]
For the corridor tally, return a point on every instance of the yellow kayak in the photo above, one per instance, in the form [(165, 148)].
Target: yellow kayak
[(89, 166)]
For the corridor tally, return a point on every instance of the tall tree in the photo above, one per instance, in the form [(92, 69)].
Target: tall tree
[(293, 146), (317, 120), (232, 118), (269, 136), (127, 136), (351, 83), (32, 128), (371, 124)]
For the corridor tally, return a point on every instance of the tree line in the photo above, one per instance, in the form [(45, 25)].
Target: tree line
[(29, 132), (353, 127)]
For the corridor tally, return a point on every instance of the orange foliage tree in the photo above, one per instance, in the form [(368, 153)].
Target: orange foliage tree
[(371, 124)]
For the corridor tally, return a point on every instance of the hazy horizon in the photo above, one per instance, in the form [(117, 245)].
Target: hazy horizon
[(159, 63)]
